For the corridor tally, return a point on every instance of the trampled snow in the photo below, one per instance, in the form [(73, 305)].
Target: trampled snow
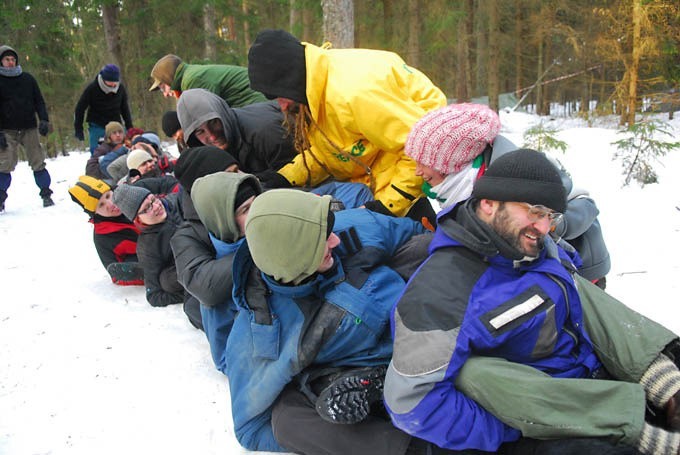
[(90, 367)]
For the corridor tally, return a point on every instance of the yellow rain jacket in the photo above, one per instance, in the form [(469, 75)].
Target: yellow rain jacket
[(364, 103)]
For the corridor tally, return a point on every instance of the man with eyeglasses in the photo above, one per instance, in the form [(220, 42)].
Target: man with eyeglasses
[(497, 287)]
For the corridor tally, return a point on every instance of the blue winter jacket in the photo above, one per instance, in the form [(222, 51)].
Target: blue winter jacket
[(467, 299), (339, 318)]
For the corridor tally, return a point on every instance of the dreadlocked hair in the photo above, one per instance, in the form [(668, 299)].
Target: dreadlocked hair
[(298, 125)]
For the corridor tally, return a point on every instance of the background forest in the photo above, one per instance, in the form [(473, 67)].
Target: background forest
[(591, 57)]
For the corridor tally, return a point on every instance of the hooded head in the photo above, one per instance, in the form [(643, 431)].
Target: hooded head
[(198, 162), (449, 138), (523, 175), (287, 232), (276, 66), (163, 72), (197, 106), (87, 191), (5, 49), (216, 198)]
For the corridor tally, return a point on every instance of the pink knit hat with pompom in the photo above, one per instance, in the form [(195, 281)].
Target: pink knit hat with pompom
[(449, 138)]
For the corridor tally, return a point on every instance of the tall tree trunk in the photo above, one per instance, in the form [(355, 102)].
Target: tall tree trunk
[(293, 16), (414, 33), (112, 32), (246, 25), (462, 56), (388, 22), (209, 51), (469, 44), (338, 22), (481, 47), (493, 54), (519, 45), (308, 20), (634, 68), (539, 74)]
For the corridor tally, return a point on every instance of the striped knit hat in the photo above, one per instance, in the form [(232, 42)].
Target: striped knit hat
[(87, 191), (449, 138)]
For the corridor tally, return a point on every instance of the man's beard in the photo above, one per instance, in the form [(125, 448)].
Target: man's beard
[(503, 226)]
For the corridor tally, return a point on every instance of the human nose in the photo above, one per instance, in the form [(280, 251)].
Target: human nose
[(419, 170)]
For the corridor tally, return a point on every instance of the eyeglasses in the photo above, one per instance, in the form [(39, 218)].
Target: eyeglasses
[(148, 207), (538, 212)]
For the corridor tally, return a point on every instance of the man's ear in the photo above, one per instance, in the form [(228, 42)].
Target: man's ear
[(486, 208)]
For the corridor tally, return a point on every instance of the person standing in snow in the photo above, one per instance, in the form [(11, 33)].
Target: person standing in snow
[(20, 101), (114, 236), (105, 100), (172, 77), (350, 111)]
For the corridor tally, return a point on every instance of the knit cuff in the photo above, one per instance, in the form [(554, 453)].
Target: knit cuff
[(654, 440), (661, 381)]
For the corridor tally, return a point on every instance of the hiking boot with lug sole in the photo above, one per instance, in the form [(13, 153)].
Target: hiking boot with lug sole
[(349, 396)]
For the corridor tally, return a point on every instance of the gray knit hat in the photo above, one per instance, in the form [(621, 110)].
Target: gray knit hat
[(287, 231), (129, 199)]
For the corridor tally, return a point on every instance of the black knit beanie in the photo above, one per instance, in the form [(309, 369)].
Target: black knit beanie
[(198, 162), (276, 66), (523, 175), (170, 123), (245, 190)]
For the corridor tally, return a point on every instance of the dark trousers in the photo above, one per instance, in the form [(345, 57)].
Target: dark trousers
[(297, 427)]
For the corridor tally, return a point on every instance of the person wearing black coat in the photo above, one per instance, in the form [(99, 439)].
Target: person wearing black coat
[(205, 277), (253, 135), (20, 102), (158, 219), (105, 99)]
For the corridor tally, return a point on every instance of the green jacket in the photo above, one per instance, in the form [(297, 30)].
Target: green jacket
[(229, 82)]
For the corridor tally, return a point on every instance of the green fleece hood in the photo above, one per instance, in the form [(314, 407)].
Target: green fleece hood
[(214, 200), (287, 231)]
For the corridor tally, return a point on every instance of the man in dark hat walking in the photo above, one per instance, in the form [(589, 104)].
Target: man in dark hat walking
[(105, 100), (20, 102)]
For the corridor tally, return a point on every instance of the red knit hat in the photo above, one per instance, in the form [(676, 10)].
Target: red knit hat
[(449, 138)]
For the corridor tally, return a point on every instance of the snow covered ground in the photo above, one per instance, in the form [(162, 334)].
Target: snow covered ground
[(89, 367)]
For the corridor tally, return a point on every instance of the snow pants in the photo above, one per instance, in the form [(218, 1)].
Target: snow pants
[(544, 407)]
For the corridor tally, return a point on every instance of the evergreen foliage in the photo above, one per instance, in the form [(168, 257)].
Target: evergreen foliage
[(639, 149), (578, 51), (542, 138)]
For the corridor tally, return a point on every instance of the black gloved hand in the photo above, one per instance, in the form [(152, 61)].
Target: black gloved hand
[(80, 135), (44, 127), (3, 141), (271, 180)]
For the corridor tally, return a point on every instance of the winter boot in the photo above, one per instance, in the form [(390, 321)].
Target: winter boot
[(45, 194), (126, 273), (3, 198), (350, 394)]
